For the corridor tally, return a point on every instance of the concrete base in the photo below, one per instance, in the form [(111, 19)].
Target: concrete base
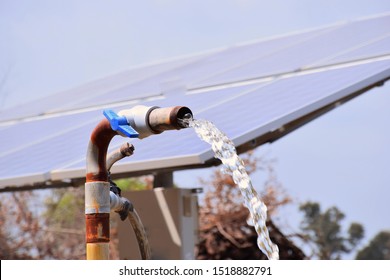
[(170, 218)]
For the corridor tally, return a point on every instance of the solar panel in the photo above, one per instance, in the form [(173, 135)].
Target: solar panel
[(89, 94), (153, 80), (216, 86), (25, 134), (375, 48), (315, 50), (267, 107), (63, 139), (187, 75), (250, 113)]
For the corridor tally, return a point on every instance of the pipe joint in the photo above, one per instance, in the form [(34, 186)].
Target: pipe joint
[(97, 197), (121, 205), (139, 121)]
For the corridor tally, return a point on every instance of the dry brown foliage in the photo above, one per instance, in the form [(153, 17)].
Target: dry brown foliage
[(45, 224), (224, 233), (50, 224)]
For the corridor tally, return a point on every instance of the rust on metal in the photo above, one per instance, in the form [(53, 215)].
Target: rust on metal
[(162, 119), (127, 149), (100, 139), (97, 227), (99, 176), (98, 224)]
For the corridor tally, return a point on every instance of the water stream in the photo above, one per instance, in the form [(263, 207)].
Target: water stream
[(225, 150)]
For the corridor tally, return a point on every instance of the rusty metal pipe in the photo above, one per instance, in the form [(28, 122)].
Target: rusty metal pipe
[(97, 188), (125, 150), (97, 152), (97, 193), (117, 203), (161, 119), (154, 120)]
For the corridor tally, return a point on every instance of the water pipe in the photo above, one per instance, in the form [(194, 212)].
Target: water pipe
[(120, 204), (140, 121), (125, 150)]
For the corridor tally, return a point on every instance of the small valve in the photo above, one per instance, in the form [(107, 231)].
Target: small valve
[(120, 124)]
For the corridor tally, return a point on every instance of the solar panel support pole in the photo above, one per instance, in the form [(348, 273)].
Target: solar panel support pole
[(163, 180)]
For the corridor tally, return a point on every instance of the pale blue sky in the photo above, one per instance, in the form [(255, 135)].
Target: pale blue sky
[(340, 159)]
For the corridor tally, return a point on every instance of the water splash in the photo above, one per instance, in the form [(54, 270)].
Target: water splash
[(225, 150)]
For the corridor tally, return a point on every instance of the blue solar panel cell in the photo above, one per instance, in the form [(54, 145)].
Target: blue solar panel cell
[(332, 44), (88, 94), (54, 147), (47, 134), (185, 75), (262, 107), (44, 156), (130, 85), (377, 48), (283, 97), (326, 44), (27, 134)]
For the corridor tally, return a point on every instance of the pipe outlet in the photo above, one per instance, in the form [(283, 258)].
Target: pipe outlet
[(154, 120)]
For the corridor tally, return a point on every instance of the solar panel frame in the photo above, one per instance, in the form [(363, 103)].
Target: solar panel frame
[(338, 39), (284, 97), (374, 72), (84, 95)]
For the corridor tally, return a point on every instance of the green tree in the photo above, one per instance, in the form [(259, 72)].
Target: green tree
[(377, 249), (134, 184), (324, 232)]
